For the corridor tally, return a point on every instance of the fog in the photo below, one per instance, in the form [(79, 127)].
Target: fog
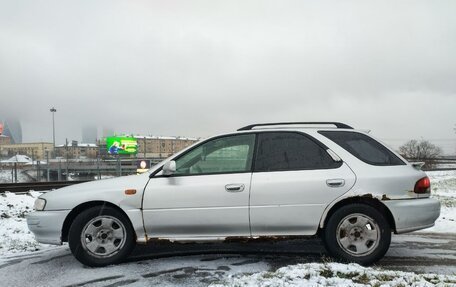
[(195, 68)]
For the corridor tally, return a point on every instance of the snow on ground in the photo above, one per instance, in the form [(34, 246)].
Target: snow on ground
[(14, 234), (6, 177), (443, 185), (337, 274)]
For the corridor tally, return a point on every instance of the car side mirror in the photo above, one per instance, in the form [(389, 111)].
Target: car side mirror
[(169, 168)]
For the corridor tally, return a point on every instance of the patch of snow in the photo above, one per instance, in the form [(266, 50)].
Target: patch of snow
[(14, 234), (19, 158), (443, 185), (337, 274), (5, 175)]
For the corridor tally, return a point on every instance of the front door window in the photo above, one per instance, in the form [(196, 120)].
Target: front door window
[(222, 155)]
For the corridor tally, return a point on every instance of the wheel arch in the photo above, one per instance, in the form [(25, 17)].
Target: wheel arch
[(370, 201), (84, 206)]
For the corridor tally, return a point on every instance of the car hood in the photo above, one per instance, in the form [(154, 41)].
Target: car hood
[(110, 190)]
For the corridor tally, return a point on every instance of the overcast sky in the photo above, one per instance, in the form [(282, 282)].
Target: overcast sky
[(195, 68)]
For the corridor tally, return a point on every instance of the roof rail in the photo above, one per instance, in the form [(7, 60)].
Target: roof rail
[(337, 124)]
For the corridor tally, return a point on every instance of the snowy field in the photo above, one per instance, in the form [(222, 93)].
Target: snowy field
[(443, 184), (17, 242)]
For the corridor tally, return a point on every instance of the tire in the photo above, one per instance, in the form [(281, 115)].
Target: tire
[(101, 236), (357, 233)]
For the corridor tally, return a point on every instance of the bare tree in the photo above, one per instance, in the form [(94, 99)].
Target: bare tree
[(422, 150)]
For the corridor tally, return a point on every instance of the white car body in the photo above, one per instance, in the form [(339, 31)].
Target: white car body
[(281, 203)]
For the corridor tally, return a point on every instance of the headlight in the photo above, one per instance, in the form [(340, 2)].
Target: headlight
[(39, 204)]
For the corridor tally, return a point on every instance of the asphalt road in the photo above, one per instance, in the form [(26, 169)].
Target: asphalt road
[(168, 264)]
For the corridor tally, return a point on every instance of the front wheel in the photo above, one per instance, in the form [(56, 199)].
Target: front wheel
[(357, 233), (100, 236)]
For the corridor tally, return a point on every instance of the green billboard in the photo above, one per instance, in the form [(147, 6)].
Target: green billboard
[(121, 145)]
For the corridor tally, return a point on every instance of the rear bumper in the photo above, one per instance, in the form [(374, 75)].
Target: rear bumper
[(47, 225), (414, 214)]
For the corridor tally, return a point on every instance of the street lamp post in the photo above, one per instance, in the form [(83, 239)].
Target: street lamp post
[(53, 110)]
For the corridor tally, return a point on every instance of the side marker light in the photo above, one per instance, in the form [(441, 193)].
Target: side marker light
[(130, 191)]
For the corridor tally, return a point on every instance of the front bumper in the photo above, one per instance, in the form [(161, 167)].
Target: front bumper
[(47, 225), (414, 214)]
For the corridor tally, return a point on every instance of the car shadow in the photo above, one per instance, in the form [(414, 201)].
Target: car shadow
[(310, 248)]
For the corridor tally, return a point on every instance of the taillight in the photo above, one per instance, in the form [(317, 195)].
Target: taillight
[(423, 185)]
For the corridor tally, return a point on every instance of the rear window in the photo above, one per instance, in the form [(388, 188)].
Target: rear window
[(363, 147)]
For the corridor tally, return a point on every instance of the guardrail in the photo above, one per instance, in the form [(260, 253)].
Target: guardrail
[(439, 169)]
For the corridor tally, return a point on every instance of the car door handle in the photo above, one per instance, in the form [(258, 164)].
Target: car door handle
[(234, 187), (338, 182)]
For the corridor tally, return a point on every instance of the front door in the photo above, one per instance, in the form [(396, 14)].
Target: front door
[(208, 195)]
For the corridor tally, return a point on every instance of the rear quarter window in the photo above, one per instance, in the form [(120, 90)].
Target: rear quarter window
[(364, 148)]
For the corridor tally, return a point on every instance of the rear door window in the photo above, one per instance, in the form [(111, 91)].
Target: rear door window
[(363, 147), (278, 151)]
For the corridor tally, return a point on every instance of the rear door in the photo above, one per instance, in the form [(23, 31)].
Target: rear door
[(294, 179)]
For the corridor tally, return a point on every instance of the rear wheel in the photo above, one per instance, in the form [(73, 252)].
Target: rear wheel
[(357, 233), (100, 236)]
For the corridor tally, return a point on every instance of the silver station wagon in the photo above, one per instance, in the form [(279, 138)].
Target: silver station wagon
[(276, 180)]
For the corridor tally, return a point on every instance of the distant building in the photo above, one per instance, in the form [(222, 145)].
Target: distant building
[(12, 128), (89, 134), (5, 140), (37, 150), (77, 150), (161, 147)]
